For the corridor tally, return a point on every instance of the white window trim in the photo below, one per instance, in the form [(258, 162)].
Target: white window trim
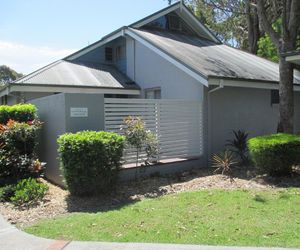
[(152, 89)]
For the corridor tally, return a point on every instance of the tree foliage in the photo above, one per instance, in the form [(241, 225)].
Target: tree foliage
[(7, 74), (226, 18), (236, 23), (267, 49)]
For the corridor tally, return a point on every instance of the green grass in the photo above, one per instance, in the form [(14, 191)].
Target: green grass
[(216, 217)]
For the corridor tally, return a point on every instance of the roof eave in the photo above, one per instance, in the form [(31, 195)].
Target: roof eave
[(52, 88), (246, 83)]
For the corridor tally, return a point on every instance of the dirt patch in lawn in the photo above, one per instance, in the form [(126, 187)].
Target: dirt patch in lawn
[(58, 201)]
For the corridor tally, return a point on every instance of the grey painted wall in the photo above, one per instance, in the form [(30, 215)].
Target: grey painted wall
[(151, 71), (51, 111), (98, 55), (95, 105), (233, 108), (54, 111), (297, 113)]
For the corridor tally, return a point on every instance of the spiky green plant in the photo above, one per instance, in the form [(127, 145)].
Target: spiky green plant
[(223, 161)]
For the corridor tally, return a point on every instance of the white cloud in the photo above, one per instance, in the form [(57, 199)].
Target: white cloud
[(25, 59)]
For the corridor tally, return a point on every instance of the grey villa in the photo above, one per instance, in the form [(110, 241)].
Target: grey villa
[(168, 68)]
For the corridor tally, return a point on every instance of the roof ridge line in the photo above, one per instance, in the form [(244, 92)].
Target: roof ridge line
[(37, 72)]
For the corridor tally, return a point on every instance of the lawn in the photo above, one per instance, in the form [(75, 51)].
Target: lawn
[(215, 217)]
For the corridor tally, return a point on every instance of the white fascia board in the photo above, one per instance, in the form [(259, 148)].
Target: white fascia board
[(293, 59), (247, 84), (64, 89), (154, 17), (97, 45), (170, 59)]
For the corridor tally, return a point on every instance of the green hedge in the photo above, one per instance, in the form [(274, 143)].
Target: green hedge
[(19, 112), (275, 154), (90, 161)]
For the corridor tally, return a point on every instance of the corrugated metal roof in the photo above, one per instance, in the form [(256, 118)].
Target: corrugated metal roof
[(211, 59), (79, 74)]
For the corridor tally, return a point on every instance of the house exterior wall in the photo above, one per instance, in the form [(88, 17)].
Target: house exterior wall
[(297, 112), (98, 55), (151, 71), (248, 109), (95, 105), (54, 112), (51, 111)]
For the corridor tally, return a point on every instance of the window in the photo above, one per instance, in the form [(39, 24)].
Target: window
[(108, 54), (154, 93), (120, 52), (172, 22), (274, 96)]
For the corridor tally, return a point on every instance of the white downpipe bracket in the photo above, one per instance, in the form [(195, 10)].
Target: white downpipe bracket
[(221, 86)]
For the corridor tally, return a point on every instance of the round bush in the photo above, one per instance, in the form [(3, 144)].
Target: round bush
[(275, 154), (90, 161)]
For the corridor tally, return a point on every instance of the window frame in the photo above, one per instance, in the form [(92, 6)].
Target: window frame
[(275, 99), (109, 54), (120, 52), (154, 90)]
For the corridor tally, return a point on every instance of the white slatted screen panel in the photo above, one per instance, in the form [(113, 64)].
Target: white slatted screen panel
[(177, 124)]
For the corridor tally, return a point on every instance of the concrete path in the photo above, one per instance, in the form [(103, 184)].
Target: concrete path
[(13, 239)]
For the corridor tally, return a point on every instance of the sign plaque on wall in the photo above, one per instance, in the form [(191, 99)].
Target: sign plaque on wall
[(79, 112)]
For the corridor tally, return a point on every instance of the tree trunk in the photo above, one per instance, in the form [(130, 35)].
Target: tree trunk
[(286, 95), (253, 28)]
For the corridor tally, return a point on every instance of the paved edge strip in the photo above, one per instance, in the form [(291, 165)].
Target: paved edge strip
[(58, 245)]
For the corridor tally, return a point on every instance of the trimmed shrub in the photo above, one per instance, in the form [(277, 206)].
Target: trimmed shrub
[(17, 152), (275, 154), (28, 191), (90, 161), (21, 137), (19, 112)]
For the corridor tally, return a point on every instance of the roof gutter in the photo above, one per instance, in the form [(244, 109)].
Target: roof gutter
[(247, 83)]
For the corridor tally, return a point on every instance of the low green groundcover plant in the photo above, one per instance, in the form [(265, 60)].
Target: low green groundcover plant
[(19, 113), (275, 154), (26, 191), (215, 217), (90, 161), (29, 191)]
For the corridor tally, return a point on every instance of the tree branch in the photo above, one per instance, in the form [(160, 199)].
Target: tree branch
[(294, 20), (266, 25)]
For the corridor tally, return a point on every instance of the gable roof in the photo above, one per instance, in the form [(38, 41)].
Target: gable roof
[(65, 73), (212, 60), (179, 7)]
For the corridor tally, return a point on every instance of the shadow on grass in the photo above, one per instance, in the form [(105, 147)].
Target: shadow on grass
[(154, 187), (127, 193)]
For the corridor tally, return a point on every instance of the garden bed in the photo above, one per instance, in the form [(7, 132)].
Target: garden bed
[(58, 201)]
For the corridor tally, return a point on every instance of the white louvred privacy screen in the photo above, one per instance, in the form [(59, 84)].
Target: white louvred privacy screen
[(177, 124)]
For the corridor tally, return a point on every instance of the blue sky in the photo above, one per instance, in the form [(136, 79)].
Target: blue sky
[(34, 33)]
